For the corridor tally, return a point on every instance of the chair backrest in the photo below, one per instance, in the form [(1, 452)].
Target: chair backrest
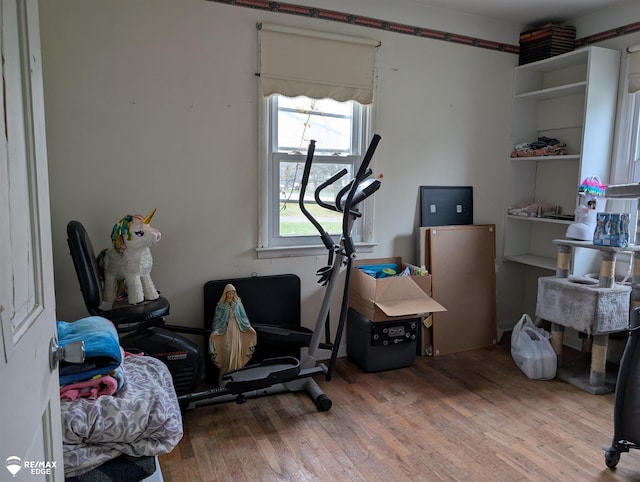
[(272, 300), (86, 265)]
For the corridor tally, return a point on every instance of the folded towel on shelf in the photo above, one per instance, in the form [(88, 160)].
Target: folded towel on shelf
[(103, 353)]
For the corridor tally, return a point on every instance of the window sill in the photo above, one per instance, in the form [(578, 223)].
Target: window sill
[(295, 251)]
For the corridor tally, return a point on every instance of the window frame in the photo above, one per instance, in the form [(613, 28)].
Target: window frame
[(270, 244), (633, 155), (625, 168)]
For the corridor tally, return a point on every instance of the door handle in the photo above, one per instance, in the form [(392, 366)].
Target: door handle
[(72, 352)]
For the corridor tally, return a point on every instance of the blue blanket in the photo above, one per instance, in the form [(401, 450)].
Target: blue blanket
[(101, 344)]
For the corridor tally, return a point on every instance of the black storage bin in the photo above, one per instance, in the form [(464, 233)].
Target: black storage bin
[(381, 345)]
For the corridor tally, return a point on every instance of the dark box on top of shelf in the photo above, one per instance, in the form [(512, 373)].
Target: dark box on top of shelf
[(378, 346), (546, 41)]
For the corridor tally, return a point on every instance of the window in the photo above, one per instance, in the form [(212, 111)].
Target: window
[(626, 167), (626, 152), (340, 130), (314, 86), (634, 151), (626, 158), (626, 149)]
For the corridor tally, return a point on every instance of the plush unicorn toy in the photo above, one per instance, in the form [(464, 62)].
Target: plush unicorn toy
[(129, 259)]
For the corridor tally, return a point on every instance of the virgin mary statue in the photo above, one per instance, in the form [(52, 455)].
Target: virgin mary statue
[(233, 340)]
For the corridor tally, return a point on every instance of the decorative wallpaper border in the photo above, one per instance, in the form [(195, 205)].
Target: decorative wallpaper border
[(607, 34), (369, 22), (334, 16)]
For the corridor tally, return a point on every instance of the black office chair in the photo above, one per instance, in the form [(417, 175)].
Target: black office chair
[(144, 322), (126, 317)]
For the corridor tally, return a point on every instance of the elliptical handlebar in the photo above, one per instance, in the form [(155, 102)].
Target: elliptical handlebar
[(356, 187), (325, 184), (356, 191), (327, 240), (366, 160)]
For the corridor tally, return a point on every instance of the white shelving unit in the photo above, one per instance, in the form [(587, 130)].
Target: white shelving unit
[(572, 98)]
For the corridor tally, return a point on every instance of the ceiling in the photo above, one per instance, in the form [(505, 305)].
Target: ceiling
[(526, 12)]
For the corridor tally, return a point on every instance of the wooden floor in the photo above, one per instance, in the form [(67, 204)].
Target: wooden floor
[(469, 417)]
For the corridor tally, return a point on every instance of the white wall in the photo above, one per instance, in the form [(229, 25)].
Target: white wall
[(153, 103), (618, 15)]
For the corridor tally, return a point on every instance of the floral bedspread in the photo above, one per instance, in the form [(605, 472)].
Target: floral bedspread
[(142, 419)]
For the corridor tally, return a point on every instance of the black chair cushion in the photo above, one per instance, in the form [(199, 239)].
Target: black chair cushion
[(142, 312)]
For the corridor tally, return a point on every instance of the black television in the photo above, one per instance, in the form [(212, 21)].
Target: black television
[(446, 205)]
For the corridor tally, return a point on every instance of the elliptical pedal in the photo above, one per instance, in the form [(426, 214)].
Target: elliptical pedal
[(263, 375), (283, 334)]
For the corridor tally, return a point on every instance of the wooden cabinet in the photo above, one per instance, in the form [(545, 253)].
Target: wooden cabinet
[(461, 260), (571, 98)]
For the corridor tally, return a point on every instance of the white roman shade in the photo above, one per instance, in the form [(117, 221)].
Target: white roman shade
[(633, 69), (297, 62)]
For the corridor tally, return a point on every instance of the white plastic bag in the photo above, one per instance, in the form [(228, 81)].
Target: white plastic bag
[(532, 351)]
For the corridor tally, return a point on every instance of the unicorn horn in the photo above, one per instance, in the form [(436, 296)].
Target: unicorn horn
[(147, 220)]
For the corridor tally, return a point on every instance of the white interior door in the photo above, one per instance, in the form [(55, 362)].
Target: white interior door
[(30, 440)]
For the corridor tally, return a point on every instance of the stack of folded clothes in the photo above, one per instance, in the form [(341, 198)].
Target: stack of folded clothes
[(101, 372), (533, 209), (544, 146)]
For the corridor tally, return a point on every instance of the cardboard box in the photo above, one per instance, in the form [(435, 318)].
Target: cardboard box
[(393, 297), (426, 336)]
